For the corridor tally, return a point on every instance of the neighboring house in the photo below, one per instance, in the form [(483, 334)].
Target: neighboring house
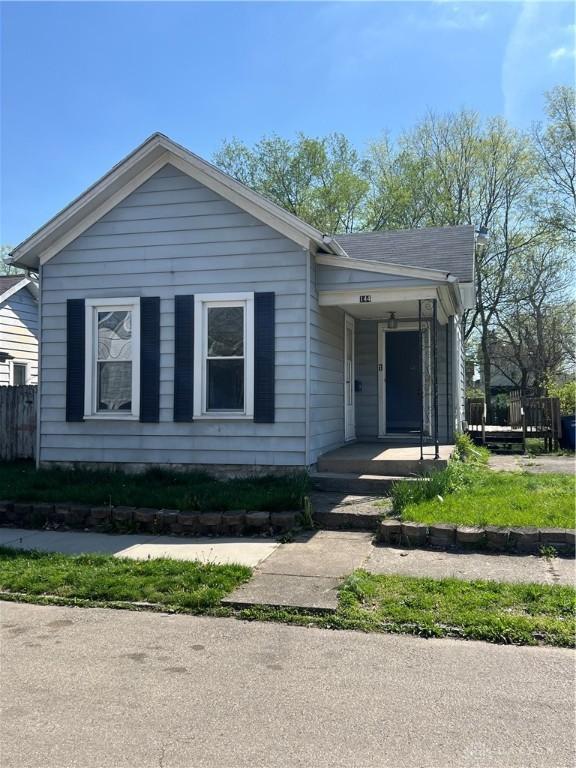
[(18, 330), (188, 320)]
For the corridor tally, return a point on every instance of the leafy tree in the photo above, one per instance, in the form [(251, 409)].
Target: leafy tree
[(555, 144), (5, 267), (323, 181)]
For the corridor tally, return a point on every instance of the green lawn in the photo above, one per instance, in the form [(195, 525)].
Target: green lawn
[(155, 488), (504, 499), (467, 492), (480, 610), (189, 586)]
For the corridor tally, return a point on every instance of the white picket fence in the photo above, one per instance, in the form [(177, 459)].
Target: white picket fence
[(17, 422)]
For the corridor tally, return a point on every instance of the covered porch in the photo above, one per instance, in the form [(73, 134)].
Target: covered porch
[(402, 379)]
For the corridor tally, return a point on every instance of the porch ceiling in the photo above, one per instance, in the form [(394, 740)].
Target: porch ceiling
[(374, 303), (404, 310)]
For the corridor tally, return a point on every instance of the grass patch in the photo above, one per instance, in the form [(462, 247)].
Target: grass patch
[(506, 499), (525, 614), (537, 447), (156, 488), (468, 493), (191, 586)]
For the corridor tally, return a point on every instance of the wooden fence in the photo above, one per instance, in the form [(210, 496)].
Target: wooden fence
[(17, 422)]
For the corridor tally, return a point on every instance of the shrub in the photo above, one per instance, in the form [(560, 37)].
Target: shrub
[(467, 451), (566, 393)]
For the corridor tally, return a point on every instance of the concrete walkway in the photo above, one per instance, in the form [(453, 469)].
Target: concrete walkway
[(244, 551), (471, 565), (536, 465)]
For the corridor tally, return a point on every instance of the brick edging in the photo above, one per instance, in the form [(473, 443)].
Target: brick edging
[(449, 536), (144, 520)]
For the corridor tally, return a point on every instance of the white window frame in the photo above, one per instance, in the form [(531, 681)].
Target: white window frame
[(202, 303), (11, 364), (92, 306)]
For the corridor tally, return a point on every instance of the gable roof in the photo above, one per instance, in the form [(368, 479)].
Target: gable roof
[(447, 249), (11, 284), (157, 151)]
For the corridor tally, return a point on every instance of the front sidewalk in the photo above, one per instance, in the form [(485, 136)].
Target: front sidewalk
[(307, 572), (221, 551)]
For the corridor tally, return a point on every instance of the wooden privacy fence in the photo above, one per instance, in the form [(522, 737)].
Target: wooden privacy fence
[(17, 422)]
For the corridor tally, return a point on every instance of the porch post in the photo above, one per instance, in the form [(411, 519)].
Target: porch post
[(447, 353), (420, 381), (435, 359)]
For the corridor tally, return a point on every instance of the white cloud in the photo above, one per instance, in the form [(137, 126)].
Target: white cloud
[(561, 53), (461, 16)]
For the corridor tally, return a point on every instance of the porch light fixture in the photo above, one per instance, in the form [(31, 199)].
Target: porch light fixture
[(392, 322)]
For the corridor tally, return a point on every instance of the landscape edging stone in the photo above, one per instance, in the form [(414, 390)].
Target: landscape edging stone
[(143, 520), (447, 536)]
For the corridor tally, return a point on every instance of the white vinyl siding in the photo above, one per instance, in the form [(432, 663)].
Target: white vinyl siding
[(175, 236), (19, 333)]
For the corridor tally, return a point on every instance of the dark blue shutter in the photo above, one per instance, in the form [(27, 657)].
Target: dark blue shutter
[(75, 359), (264, 357), (150, 358), (183, 358)]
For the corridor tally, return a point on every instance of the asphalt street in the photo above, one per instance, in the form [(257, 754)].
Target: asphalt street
[(92, 688)]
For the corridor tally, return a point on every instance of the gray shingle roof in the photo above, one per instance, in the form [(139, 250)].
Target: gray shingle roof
[(7, 282), (449, 249)]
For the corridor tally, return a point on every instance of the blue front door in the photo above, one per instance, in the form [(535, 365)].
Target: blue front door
[(403, 388)]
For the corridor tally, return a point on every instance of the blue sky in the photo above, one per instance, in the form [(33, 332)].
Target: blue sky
[(84, 83)]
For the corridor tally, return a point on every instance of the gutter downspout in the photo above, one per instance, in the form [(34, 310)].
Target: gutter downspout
[(307, 363), (39, 370)]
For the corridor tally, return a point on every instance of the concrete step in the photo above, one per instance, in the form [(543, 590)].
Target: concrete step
[(341, 511), (353, 483), (384, 468)]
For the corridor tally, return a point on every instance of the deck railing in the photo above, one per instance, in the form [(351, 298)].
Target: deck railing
[(538, 416)]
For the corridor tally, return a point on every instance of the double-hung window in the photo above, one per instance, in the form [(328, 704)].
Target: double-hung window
[(224, 356), (112, 358)]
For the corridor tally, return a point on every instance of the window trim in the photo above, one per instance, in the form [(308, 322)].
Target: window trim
[(202, 302), (90, 384), (11, 364)]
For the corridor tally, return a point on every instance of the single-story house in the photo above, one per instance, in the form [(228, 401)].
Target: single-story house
[(18, 330), (187, 320)]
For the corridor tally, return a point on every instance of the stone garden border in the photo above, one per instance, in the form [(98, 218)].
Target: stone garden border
[(143, 520), (448, 536)]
